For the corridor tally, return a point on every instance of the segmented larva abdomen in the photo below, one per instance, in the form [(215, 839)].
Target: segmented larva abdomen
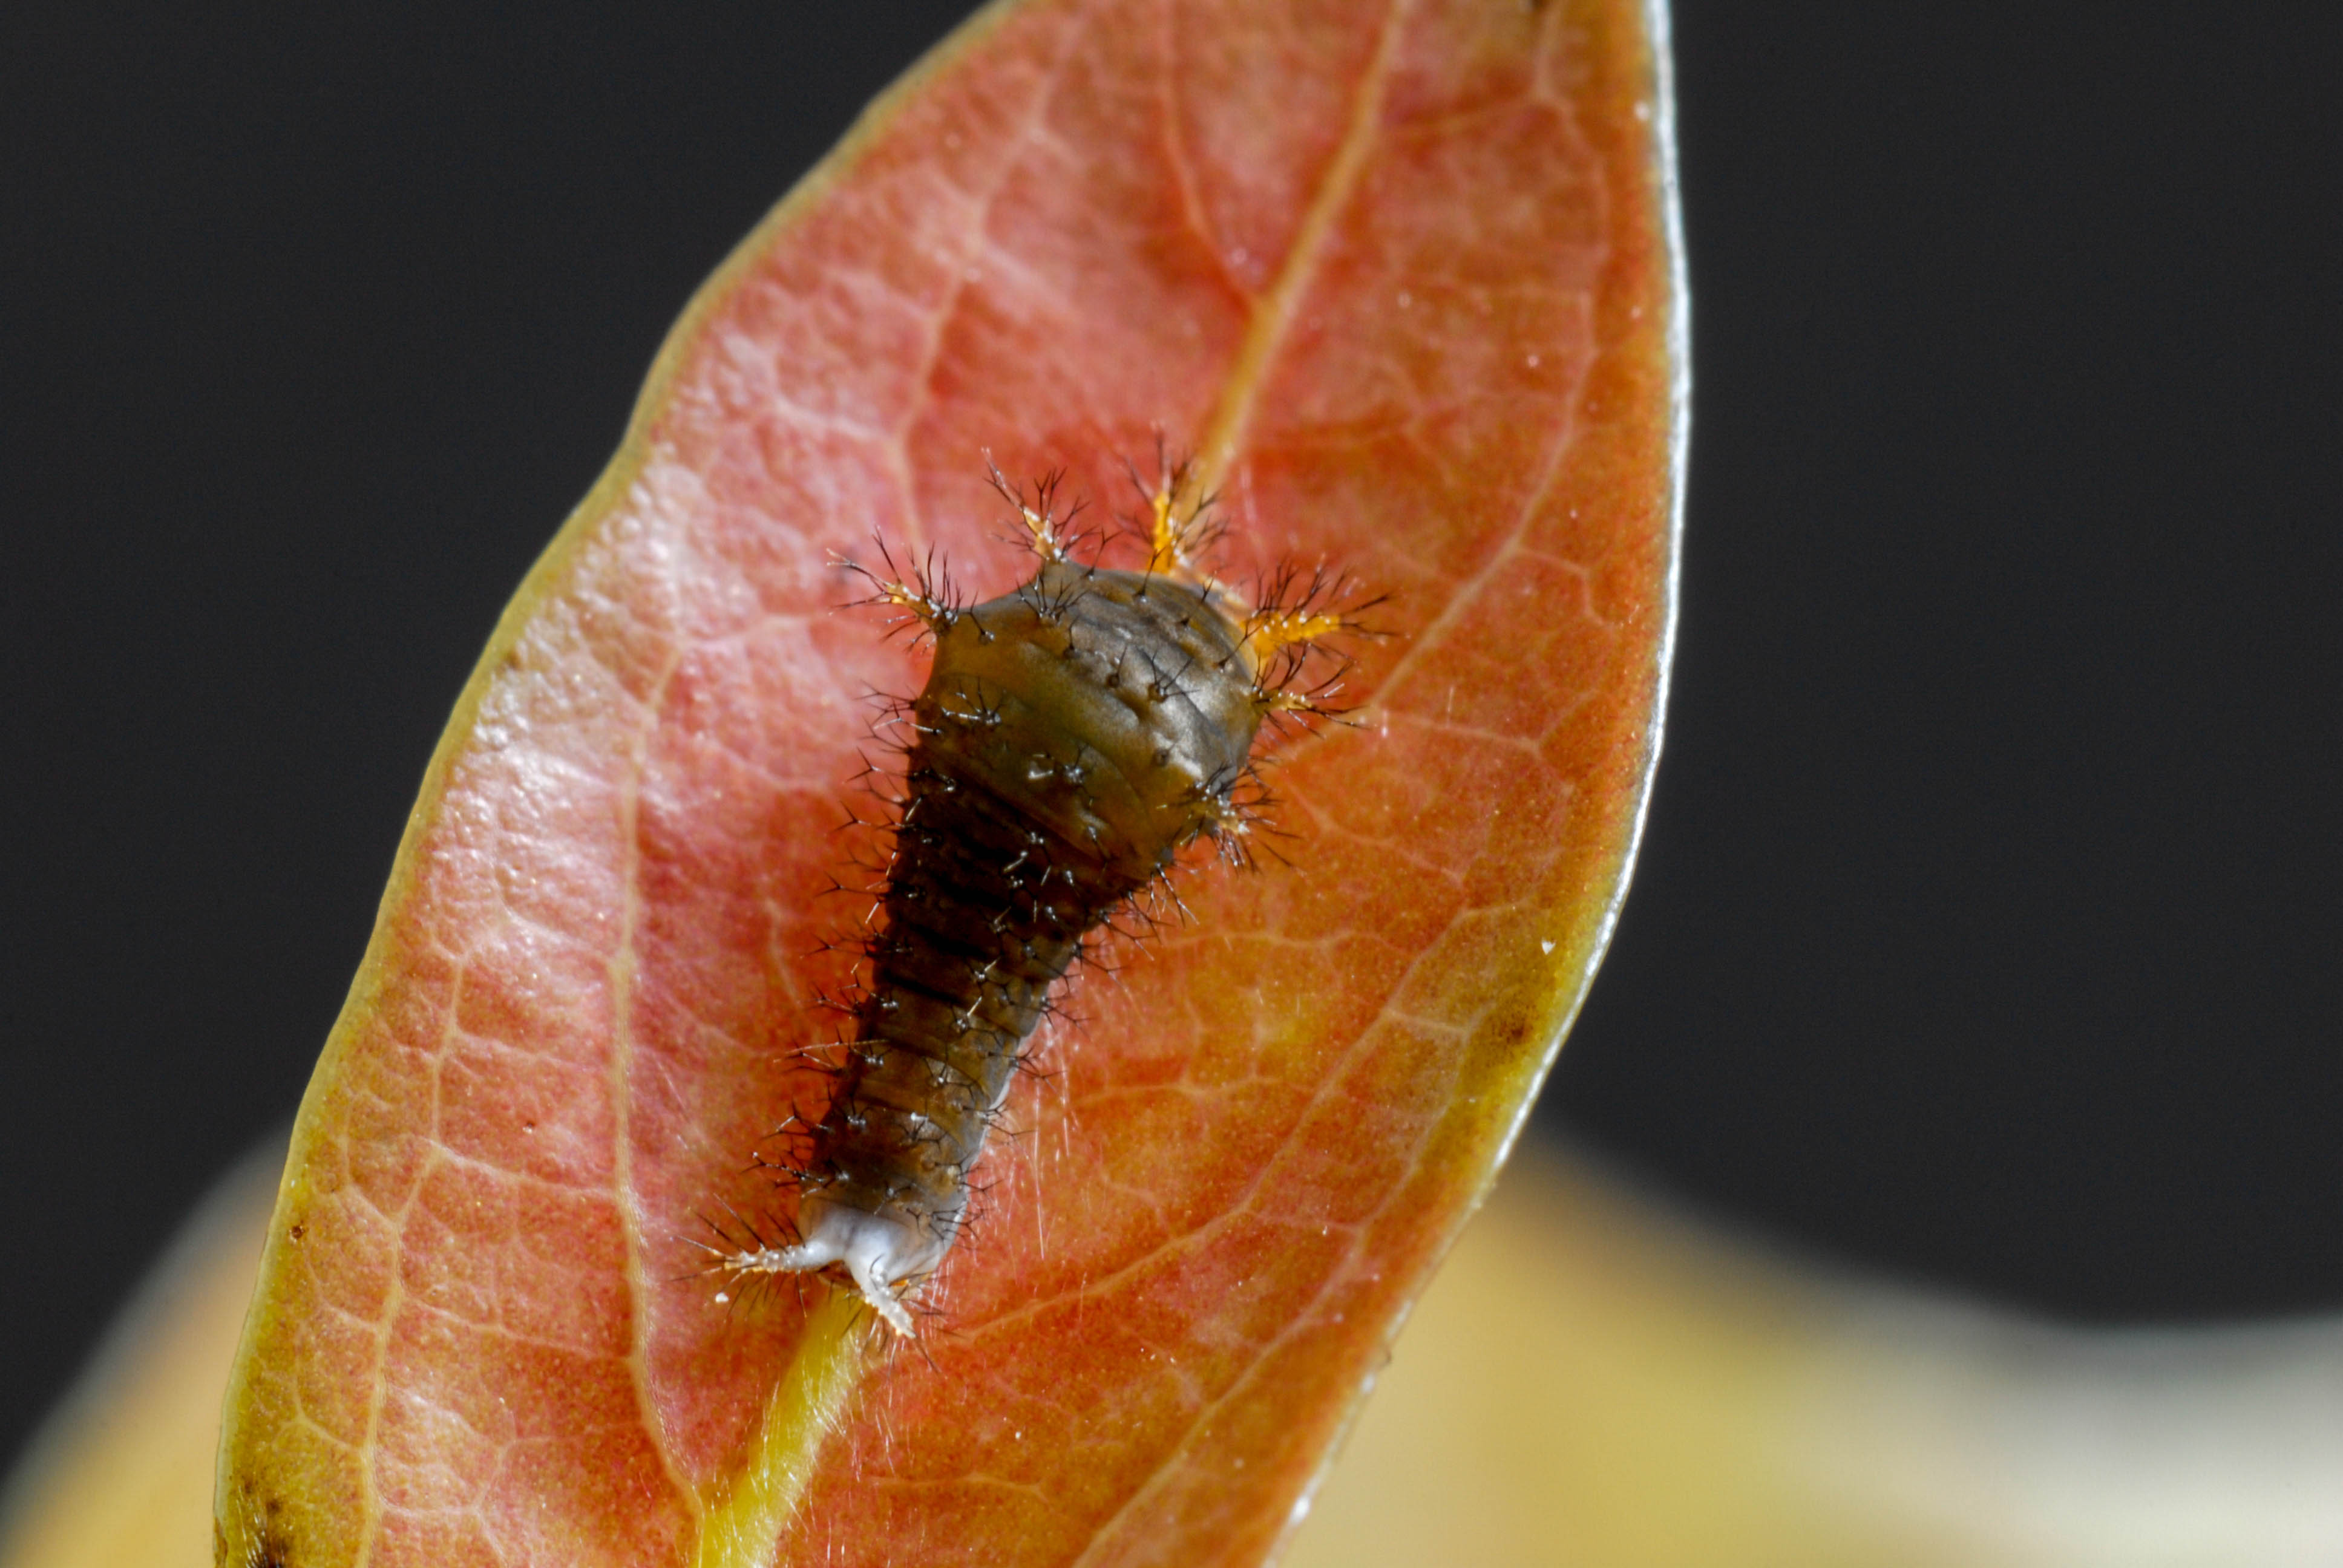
[(1073, 736)]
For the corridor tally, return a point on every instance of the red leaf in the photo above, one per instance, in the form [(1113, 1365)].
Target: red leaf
[(1401, 275)]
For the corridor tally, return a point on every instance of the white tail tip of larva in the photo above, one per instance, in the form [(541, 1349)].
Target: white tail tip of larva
[(884, 1254)]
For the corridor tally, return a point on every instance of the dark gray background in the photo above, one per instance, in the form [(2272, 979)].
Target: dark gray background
[(1987, 929)]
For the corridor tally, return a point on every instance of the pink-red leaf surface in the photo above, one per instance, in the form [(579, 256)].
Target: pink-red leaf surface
[(1398, 273)]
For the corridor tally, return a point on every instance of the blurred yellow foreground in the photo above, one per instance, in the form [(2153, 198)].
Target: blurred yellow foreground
[(1590, 1383)]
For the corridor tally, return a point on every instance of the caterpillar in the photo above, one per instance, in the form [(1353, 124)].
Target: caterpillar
[(1074, 736)]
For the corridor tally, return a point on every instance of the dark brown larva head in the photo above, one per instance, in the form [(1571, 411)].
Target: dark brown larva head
[(1115, 708)]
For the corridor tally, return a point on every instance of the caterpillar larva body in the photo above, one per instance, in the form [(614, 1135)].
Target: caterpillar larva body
[(1073, 737)]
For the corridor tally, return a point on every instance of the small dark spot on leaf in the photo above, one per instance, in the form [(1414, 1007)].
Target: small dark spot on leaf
[(259, 1541)]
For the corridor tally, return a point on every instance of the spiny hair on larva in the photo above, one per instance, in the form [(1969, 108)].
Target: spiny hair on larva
[(1073, 736)]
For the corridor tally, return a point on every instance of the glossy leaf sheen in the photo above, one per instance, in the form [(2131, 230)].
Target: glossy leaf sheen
[(1400, 274)]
